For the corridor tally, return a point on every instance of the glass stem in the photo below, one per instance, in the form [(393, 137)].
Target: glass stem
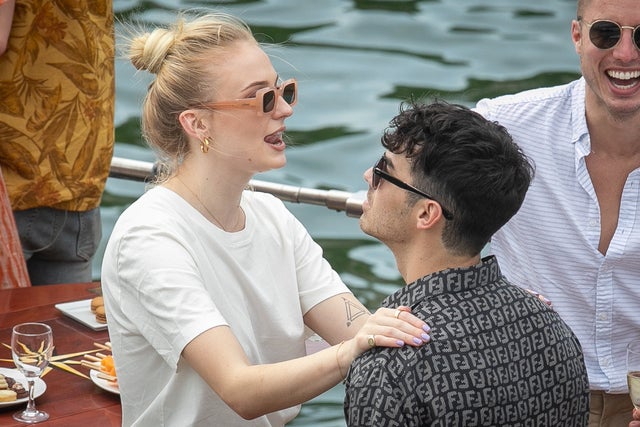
[(31, 405)]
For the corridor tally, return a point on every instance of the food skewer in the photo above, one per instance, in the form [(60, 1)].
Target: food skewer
[(100, 374), (105, 346), (95, 362), (94, 366), (106, 377)]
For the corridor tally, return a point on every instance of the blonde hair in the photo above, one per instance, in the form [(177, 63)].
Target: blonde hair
[(181, 56)]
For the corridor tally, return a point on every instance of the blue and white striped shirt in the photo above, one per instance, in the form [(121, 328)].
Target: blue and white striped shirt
[(551, 244)]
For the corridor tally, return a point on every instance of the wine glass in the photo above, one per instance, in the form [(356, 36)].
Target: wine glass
[(31, 348), (633, 372)]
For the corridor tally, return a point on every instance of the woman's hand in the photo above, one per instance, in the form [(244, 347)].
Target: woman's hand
[(389, 327), (392, 327)]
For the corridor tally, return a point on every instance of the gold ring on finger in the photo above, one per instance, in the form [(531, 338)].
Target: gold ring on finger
[(371, 340), (396, 313)]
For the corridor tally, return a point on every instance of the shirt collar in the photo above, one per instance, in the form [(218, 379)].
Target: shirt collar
[(580, 131), (446, 281)]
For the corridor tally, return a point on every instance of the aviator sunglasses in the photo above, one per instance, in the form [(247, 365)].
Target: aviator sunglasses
[(380, 172), (264, 101), (606, 34)]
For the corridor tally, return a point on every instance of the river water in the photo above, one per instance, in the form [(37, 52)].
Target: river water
[(355, 61)]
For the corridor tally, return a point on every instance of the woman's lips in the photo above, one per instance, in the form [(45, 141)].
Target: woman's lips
[(275, 138)]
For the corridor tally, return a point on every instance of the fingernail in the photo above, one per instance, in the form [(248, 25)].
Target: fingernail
[(426, 337), (426, 328), (400, 343), (417, 341)]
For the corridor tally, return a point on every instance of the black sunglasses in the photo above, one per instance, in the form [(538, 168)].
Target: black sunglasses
[(380, 172), (265, 99), (605, 34)]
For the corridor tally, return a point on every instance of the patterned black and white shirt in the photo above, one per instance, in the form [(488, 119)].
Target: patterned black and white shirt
[(498, 356)]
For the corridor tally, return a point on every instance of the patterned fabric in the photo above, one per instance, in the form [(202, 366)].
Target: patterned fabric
[(56, 114), (551, 244), (498, 357), (13, 270)]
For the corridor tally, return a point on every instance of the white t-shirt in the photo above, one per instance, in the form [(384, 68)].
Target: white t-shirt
[(169, 275)]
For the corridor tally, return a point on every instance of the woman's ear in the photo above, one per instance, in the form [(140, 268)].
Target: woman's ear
[(191, 123)]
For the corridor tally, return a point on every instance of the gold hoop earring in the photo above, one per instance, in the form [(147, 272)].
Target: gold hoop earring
[(204, 145)]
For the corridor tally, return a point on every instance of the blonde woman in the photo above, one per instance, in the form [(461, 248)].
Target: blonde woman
[(209, 287)]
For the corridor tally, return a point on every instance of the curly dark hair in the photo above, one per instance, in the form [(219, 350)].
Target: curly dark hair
[(469, 164)]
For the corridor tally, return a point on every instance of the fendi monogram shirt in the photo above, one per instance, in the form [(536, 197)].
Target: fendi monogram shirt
[(498, 357)]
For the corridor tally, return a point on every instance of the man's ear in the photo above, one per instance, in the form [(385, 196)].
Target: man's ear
[(576, 36), (429, 214), (191, 123)]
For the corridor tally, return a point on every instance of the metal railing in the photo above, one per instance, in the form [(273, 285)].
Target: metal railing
[(341, 201)]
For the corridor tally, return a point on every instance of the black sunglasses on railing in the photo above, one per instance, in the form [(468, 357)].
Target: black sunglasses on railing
[(380, 172)]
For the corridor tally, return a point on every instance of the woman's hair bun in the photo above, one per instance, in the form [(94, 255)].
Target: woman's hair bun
[(148, 51)]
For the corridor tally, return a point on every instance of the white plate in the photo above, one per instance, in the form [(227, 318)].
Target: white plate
[(81, 311), (103, 384), (39, 386)]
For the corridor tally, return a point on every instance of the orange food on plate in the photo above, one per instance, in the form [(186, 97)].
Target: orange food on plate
[(107, 366)]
